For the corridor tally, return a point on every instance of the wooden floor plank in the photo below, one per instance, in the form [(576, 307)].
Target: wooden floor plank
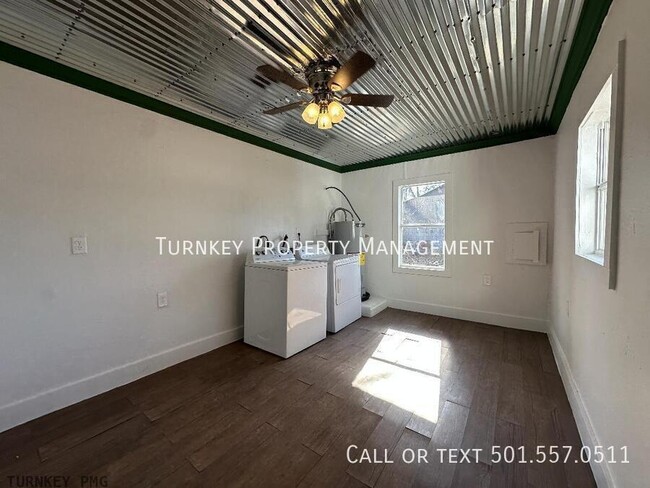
[(546, 355), (541, 430), (512, 347), (331, 470), (89, 426), (213, 423), (302, 418), (92, 454), (421, 425), (253, 426), (20, 444), (458, 387), (479, 434), (404, 465), (512, 397), (481, 422), (347, 391), (508, 474), (270, 398), (162, 398), (216, 397), (447, 435), (265, 458), (472, 475), (151, 459), (184, 477), (382, 441), (340, 417)]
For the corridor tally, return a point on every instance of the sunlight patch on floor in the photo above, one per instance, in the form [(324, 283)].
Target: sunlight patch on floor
[(405, 370)]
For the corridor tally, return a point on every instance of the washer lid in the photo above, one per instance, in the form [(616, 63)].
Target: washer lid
[(313, 253), (335, 259)]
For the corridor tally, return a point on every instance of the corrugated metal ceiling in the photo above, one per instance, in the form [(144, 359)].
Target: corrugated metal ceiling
[(461, 70)]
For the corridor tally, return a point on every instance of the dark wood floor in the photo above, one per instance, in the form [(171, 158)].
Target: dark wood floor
[(240, 417)]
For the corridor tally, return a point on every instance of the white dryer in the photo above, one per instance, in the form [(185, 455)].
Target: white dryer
[(343, 285), (285, 303)]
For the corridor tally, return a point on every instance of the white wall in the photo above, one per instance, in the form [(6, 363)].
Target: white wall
[(602, 337), (74, 162), (491, 187)]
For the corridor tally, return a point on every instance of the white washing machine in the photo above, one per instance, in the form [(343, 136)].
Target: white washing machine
[(343, 285), (285, 303)]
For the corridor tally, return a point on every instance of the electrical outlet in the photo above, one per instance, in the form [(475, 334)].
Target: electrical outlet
[(487, 280), (79, 245), (162, 299)]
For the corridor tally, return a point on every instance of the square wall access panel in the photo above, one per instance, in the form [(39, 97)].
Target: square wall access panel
[(526, 243)]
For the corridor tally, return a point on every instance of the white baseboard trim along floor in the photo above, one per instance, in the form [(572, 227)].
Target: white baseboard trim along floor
[(602, 472), (48, 401), (492, 318)]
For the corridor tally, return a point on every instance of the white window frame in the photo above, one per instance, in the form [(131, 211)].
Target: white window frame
[(592, 177), (606, 256), (397, 235), (601, 189)]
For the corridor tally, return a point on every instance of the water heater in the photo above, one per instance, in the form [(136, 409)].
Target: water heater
[(346, 235)]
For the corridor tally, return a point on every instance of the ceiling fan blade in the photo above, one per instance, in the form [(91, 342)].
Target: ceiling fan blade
[(284, 108), (351, 71), (281, 76), (367, 100)]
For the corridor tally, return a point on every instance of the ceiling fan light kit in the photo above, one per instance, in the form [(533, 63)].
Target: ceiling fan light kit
[(336, 111), (324, 118), (310, 114), (324, 114), (325, 77)]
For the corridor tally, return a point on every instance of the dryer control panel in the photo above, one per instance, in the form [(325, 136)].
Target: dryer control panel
[(271, 256)]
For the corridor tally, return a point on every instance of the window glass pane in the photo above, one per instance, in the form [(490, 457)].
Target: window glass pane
[(601, 218), (423, 204), (422, 247), (602, 152), (591, 178)]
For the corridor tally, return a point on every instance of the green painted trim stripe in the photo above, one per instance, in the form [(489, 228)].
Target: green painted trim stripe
[(441, 151), (34, 62), (591, 20)]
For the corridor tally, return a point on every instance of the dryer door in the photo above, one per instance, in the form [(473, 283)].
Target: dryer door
[(347, 282)]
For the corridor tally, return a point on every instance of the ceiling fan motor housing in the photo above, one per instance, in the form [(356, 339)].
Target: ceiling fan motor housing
[(325, 77), (318, 74)]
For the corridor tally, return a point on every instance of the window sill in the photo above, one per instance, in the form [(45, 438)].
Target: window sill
[(443, 273), (599, 259)]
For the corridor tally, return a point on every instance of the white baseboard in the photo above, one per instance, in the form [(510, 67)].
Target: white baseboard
[(22, 411), (492, 318), (602, 471)]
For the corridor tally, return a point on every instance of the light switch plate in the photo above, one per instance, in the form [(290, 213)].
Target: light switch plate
[(79, 245), (162, 299), (487, 280)]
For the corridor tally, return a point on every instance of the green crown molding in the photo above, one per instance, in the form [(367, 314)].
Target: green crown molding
[(590, 22), (28, 60), (497, 140)]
